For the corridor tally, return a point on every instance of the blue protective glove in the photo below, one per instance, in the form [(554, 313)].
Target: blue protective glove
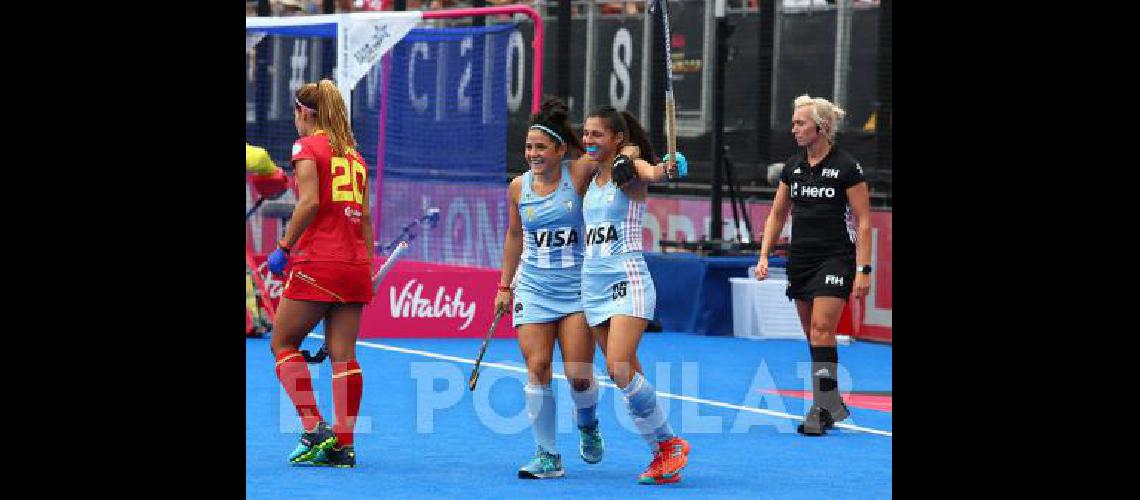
[(278, 260), (682, 164)]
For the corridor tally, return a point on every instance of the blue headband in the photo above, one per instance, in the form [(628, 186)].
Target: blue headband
[(552, 133)]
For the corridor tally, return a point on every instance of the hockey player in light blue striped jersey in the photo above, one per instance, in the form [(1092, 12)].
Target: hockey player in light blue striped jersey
[(618, 294), (542, 256)]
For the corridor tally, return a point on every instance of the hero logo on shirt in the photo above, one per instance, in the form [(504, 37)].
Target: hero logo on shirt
[(859, 168), (830, 172), (296, 148), (812, 191)]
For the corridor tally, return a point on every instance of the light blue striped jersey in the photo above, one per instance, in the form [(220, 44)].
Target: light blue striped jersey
[(552, 224), (612, 221)]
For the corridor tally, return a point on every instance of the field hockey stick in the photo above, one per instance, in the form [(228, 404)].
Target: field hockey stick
[(483, 350), (670, 103), (257, 204), (376, 279), (323, 352), (379, 276), (261, 285), (429, 220), (400, 245), (375, 284)]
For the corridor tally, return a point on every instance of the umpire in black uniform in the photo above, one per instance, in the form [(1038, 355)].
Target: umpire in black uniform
[(829, 255)]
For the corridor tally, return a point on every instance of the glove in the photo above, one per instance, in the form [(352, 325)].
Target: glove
[(278, 260), (682, 164), (270, 186), (623, 170), (257, 161)]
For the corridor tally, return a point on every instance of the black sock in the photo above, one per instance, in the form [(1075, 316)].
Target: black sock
[(830, 356), (824, 354), (827, 384)]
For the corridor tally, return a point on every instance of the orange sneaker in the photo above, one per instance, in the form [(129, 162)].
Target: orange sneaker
[(671, 456)]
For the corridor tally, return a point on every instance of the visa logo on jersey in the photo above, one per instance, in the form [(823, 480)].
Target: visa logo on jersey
[(601, 234), (554, 239)]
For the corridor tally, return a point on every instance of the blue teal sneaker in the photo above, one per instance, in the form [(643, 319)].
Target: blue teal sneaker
[(591, 447), (312, 442), (543, 466)]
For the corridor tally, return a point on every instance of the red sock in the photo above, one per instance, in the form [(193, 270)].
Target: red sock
[(348, 384), (294, 376)]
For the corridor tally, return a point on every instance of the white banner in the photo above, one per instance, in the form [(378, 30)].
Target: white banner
[(370, 36), (367, 36)]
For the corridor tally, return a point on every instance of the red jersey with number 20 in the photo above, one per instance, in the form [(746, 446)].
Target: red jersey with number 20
[(336, 233)]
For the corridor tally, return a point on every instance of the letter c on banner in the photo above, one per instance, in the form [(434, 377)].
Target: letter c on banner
[(418, 102)]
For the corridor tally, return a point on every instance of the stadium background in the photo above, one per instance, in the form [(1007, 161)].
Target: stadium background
[(775, 53)]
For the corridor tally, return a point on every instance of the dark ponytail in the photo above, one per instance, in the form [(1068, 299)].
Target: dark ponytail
[(638, 136), (628, 125), (554, 113)]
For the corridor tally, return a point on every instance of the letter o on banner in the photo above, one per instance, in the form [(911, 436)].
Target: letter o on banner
[(515, 50)]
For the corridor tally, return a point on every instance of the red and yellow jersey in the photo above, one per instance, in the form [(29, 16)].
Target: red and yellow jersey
[(336, 233)]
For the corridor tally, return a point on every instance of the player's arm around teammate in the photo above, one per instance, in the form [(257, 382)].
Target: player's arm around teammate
[(632, 168), (618, 293), (542, 255)]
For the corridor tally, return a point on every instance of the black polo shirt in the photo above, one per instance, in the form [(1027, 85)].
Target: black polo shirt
[(821, 215)]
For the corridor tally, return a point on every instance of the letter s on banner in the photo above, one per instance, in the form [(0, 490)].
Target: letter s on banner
[(622, 54)]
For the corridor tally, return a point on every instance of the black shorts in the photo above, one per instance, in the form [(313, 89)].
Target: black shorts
[(829, 276)]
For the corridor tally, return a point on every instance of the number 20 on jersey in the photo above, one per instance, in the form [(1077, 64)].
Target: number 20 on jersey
[(344, 173)]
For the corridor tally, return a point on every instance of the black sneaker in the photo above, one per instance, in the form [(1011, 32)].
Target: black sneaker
[(839, 415), (336, 457), (312, 442), (816, 422)]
